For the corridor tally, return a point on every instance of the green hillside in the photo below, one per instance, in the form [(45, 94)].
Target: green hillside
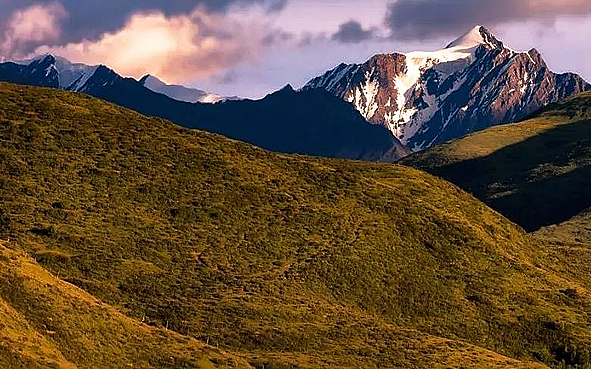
[(47, 323), (279, 261), (534, 172)]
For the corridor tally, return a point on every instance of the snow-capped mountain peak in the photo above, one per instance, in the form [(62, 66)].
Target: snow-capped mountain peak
[(425, 98), (60, 72), (479, 35), (73, 76)]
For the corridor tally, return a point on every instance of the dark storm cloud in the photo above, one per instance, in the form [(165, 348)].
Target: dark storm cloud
[(420, 19), (353, 32), (89, 19)]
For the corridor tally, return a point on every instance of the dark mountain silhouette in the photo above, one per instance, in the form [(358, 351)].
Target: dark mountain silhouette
[(308, 122)]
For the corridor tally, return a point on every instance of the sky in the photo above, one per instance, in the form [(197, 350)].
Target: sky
[(252, 47)]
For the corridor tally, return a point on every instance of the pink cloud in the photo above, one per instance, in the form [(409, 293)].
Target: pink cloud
[(196, 45), (37, 23)]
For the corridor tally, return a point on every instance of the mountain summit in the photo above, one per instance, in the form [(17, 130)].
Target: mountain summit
[(425, 98), (179, 92), (479, 35)]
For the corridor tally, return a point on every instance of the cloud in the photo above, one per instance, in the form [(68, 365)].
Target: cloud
[(34, 24), (353, 32), (90, 19), (276, 5), (227, 78), (277, 36), (175, 48), (421, 19)]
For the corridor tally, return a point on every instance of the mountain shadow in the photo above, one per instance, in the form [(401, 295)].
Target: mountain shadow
[(540, 181), (311, 122)]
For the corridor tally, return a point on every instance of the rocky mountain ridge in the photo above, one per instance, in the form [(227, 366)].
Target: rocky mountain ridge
[(426, 98)]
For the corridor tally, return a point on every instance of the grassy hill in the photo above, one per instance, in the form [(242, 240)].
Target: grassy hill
[(195, 241), (47, 323), (534, 172)]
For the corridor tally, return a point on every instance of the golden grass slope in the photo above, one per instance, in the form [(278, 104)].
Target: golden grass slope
[(284, 261), (48, 323)]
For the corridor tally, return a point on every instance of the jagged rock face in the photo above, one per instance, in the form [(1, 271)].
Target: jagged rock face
[(103, 77), (39, 72), (49, 71), (426, 98), (369, 86)]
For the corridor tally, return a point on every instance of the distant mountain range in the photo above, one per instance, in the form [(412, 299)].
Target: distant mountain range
[(426, 98), (420, 98), (311, 122), (181, 93), (57, 72)]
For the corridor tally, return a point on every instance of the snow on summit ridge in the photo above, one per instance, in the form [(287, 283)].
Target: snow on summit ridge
[(479, 35)]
